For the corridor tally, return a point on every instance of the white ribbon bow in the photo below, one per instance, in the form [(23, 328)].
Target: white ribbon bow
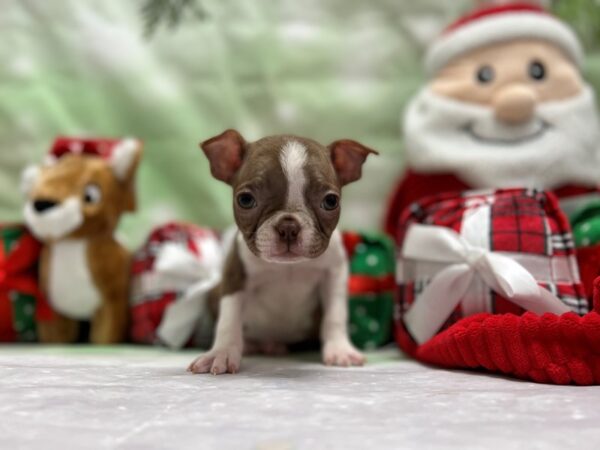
[(447, 288), (178, 264)]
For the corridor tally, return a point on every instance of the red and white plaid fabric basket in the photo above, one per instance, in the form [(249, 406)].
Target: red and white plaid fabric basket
[(171, 275), (502, 251)]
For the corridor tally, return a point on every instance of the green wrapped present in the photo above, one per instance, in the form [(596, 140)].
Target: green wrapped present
[(586, 225), (371, 288)]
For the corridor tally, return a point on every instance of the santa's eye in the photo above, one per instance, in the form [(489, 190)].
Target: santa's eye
[(485, 74), (92, 194), (537, 70), (246, 200)]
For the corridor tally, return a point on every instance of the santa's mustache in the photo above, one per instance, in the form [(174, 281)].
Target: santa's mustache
[(514, 135), (559, 144), (447, 112)]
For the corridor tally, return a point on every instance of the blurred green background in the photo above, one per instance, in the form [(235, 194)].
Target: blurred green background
[(327, 69)]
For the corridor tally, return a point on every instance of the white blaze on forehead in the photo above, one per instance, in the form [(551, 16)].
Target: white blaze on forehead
[(293, 159)]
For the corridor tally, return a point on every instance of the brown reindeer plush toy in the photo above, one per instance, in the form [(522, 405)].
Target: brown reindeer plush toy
[(74, 202)]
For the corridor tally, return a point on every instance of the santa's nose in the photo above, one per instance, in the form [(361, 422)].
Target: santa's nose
[(514, 104)]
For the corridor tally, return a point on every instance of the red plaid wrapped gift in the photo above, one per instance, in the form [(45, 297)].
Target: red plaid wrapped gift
[(502, 251), (171, 275)]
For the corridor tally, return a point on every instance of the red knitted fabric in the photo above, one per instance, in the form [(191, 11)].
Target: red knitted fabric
[(545, 349), (588, 260)]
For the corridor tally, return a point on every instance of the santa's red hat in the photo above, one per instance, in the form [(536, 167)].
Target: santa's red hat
[(490, 24)]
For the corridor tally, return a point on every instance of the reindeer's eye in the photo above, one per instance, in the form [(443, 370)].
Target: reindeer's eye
[(92, 194), (330, 202)]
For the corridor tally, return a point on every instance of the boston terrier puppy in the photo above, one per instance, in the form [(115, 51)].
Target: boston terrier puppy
[(287, 269)]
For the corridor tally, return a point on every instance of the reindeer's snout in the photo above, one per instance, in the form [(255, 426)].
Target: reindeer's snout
[(42, 205)]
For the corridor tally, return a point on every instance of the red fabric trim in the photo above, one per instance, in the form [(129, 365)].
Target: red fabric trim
[(43, 310), (573, 191), (588, 260), (23, 257), (7, 331), (596, 304), (351, 240), (414, 186), (489, 11), (364, 284), (23, 283), (545, 349)]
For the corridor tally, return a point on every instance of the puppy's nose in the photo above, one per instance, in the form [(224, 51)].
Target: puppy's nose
[(43, 205), (288, 229)]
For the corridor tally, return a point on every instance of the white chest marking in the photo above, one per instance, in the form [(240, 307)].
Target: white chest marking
[(70, 284), (293, 158), (282, 305), (281, 301)]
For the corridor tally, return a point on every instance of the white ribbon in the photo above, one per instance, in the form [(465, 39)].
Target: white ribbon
[(176, 263), (466, 262), (175, 260)]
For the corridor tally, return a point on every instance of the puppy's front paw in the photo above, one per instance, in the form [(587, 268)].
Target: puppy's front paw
[(218, 361), (342, 353)]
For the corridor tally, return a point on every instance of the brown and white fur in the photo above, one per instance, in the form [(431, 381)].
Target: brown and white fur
[(287, 269), (73, 206)]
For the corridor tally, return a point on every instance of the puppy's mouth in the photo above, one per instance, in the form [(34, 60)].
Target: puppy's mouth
[(286, 256), (288, 238)]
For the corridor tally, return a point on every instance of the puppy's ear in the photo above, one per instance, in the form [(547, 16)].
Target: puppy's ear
[(348, 157), (225, 153)]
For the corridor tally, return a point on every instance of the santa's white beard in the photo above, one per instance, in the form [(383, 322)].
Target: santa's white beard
[(559, 146)]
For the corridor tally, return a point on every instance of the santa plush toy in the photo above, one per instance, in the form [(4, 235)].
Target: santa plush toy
[(505, 105)]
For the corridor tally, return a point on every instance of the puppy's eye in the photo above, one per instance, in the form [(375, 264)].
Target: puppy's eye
[(485, 74), (92, 194), (330, 202), (537, 70), (246, 200)]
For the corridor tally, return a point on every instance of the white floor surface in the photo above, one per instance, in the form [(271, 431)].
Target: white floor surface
[(141, 398)]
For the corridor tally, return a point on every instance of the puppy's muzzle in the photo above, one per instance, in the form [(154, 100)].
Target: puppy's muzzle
[(288, 229)]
